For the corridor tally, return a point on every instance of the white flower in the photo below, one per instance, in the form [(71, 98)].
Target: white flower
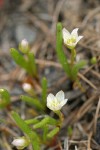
[(56, 102), (71, 39), (24, 46), (27, 87), (24, 43), (76, 148), (20, 143)]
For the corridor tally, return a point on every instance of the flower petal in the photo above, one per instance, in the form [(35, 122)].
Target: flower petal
[(50, 98), (75, 32), (53, 107), (79, 38), (72, 44), (49, 105), (66, 34), (18, 142), (60, 96), (56, 108), (63, 102)]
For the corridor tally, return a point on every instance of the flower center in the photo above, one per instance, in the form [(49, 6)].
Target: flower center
[(55, 103), (71, 40)]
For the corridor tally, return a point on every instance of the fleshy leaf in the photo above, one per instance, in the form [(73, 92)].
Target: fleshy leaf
[(27, 130), (4, 98), (31, 64), (76, 68), (60, 53), (53, 132), (44, 91), (32, 102), (19, 59)]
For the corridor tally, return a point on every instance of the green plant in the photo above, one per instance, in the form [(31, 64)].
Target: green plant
[(43, 123), (25, 60), (4, 98), (70, 40), (48, 125)]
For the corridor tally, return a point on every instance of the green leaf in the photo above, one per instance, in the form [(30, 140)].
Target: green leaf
[(32, 64), (93, 60), (27, 130), (52, 121), (45, 131), (4, 98), (53, 132), (70, 130), (60, 53), (77, 67), (41, 123), (32, 102), (44, 91), (47, 120), (19, 59), (32, 121)]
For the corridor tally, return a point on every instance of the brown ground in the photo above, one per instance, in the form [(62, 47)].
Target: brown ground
[(36, 20)]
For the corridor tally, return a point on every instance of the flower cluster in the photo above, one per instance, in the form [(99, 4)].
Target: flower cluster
[(54, 102)]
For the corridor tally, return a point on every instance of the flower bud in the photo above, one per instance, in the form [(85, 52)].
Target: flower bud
[(24, 46), (27, 87), (21, 142), (93, 60)]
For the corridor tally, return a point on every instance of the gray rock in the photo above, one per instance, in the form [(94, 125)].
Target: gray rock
[(25, 32)]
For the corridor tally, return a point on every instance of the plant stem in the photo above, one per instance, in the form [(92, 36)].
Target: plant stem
[(77, 83), (61, 117), (73, 55), (32, 65)]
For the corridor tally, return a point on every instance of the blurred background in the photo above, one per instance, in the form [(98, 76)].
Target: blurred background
[(36, 21)]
